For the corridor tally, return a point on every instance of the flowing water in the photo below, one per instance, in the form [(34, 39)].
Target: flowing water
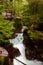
[(17, 42), (18, 39)]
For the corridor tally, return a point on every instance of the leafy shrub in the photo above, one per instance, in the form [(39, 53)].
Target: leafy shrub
[(33, 18), (35, 34), (33, 13), (6, 30)]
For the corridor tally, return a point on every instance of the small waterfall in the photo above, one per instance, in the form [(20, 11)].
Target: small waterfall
[(17, 40), (19, 37)]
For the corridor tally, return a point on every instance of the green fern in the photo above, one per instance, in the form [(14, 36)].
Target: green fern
[(6, 29)]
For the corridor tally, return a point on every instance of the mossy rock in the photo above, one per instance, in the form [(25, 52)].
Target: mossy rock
[(4, 57), (5, 61), (33, 38)]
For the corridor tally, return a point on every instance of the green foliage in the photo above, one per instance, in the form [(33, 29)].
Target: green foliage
[(5, 5), (33, 34), (2, 60), (25, 15), (18, 7), (1, 6), (33, 17), (30, 11), (6, 30), (33, 13)]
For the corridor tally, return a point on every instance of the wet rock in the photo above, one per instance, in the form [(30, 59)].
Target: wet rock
[(13, 52), (33, 47), (18, 25), (30, 53)]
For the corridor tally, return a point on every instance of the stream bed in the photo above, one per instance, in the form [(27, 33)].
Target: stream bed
[(18, 42)]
